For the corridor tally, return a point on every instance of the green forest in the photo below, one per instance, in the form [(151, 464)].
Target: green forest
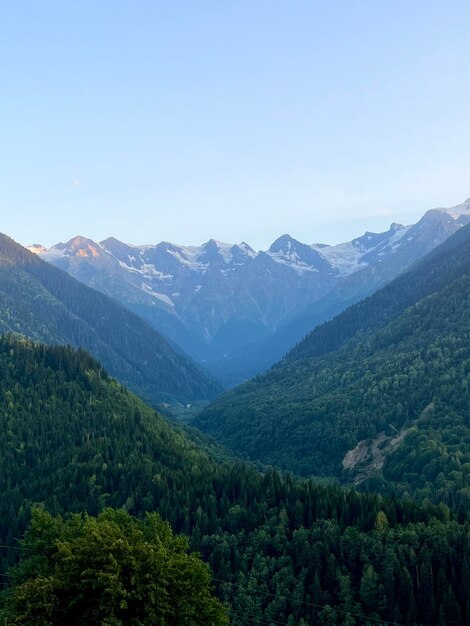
[(235, 313), (113, 570), (397, 362), (281, 549), (46, 304)]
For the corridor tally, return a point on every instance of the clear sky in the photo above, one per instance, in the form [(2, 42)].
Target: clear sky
[(239, 120)]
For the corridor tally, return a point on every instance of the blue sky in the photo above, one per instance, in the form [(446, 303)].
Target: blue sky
[(243, 120)]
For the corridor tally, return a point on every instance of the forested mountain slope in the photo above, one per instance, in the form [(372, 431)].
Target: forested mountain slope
[(381, 265), (397, 360), (282, 550), (236, 310), (45, 303)]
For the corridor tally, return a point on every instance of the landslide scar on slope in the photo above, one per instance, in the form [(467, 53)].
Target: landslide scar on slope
[(369, 454)]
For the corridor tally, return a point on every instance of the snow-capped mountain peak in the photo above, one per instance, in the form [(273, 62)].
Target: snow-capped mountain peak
[(300, 257), (215, 251), (246, 249), (459, 210), (351, 256), (284, 244), (225, 295), (80, 246), (76, 247), (37, 248)]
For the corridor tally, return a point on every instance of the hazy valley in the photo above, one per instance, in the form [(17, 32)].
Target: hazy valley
[(238, 311), (374, 397), (234, 313)]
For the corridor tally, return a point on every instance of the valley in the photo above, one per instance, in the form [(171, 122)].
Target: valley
[(234, 313), (374, 369), (45, 303), (75, 440), (370, 407), (237, 311)]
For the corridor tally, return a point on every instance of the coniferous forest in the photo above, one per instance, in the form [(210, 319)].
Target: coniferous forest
[(377, 397), (234, 313), (46, 304), (280, 549)]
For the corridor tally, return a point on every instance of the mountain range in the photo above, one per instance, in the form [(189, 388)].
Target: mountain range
[(45, 303), (377, 396), (237, 310)]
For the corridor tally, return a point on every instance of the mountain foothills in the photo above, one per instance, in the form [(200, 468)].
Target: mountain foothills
[(281, 550), (43, 302), (378, 396), (238, 310)]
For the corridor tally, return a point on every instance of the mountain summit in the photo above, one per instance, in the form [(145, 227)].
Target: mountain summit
[(44, 303), (380, 391), (219, 301)]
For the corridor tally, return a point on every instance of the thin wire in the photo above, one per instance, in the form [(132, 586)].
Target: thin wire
[(322, 606), (253, 619), (266, 593), (264, 621)]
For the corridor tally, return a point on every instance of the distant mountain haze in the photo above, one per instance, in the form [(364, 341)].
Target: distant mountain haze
[(237, 310), (379, 395), (45, 303), (386, 257)]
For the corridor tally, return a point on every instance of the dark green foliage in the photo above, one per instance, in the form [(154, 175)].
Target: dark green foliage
[(445, 264), (111, 570), (42, 302), (280, 549), (400, 358)]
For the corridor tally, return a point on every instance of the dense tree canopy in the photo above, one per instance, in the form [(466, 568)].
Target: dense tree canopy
[(280, 549), (112, 570), (398, 361)]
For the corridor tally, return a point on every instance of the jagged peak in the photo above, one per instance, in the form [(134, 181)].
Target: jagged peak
[(454, 212), (216, 244), (460, 209), (80, 246), (396, 226), (81, 240), (245, 248), (283, 242), (118, 249), (433, 214), (112, 241)]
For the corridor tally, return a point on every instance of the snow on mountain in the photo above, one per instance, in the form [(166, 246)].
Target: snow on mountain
[(213, 298), (298, 256), (222, 293), (459, 210), (353, 255), (344, 257), (79, 246)]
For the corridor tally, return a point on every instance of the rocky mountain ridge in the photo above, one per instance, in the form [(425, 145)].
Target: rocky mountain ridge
[(43, 303), (218, 299)]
